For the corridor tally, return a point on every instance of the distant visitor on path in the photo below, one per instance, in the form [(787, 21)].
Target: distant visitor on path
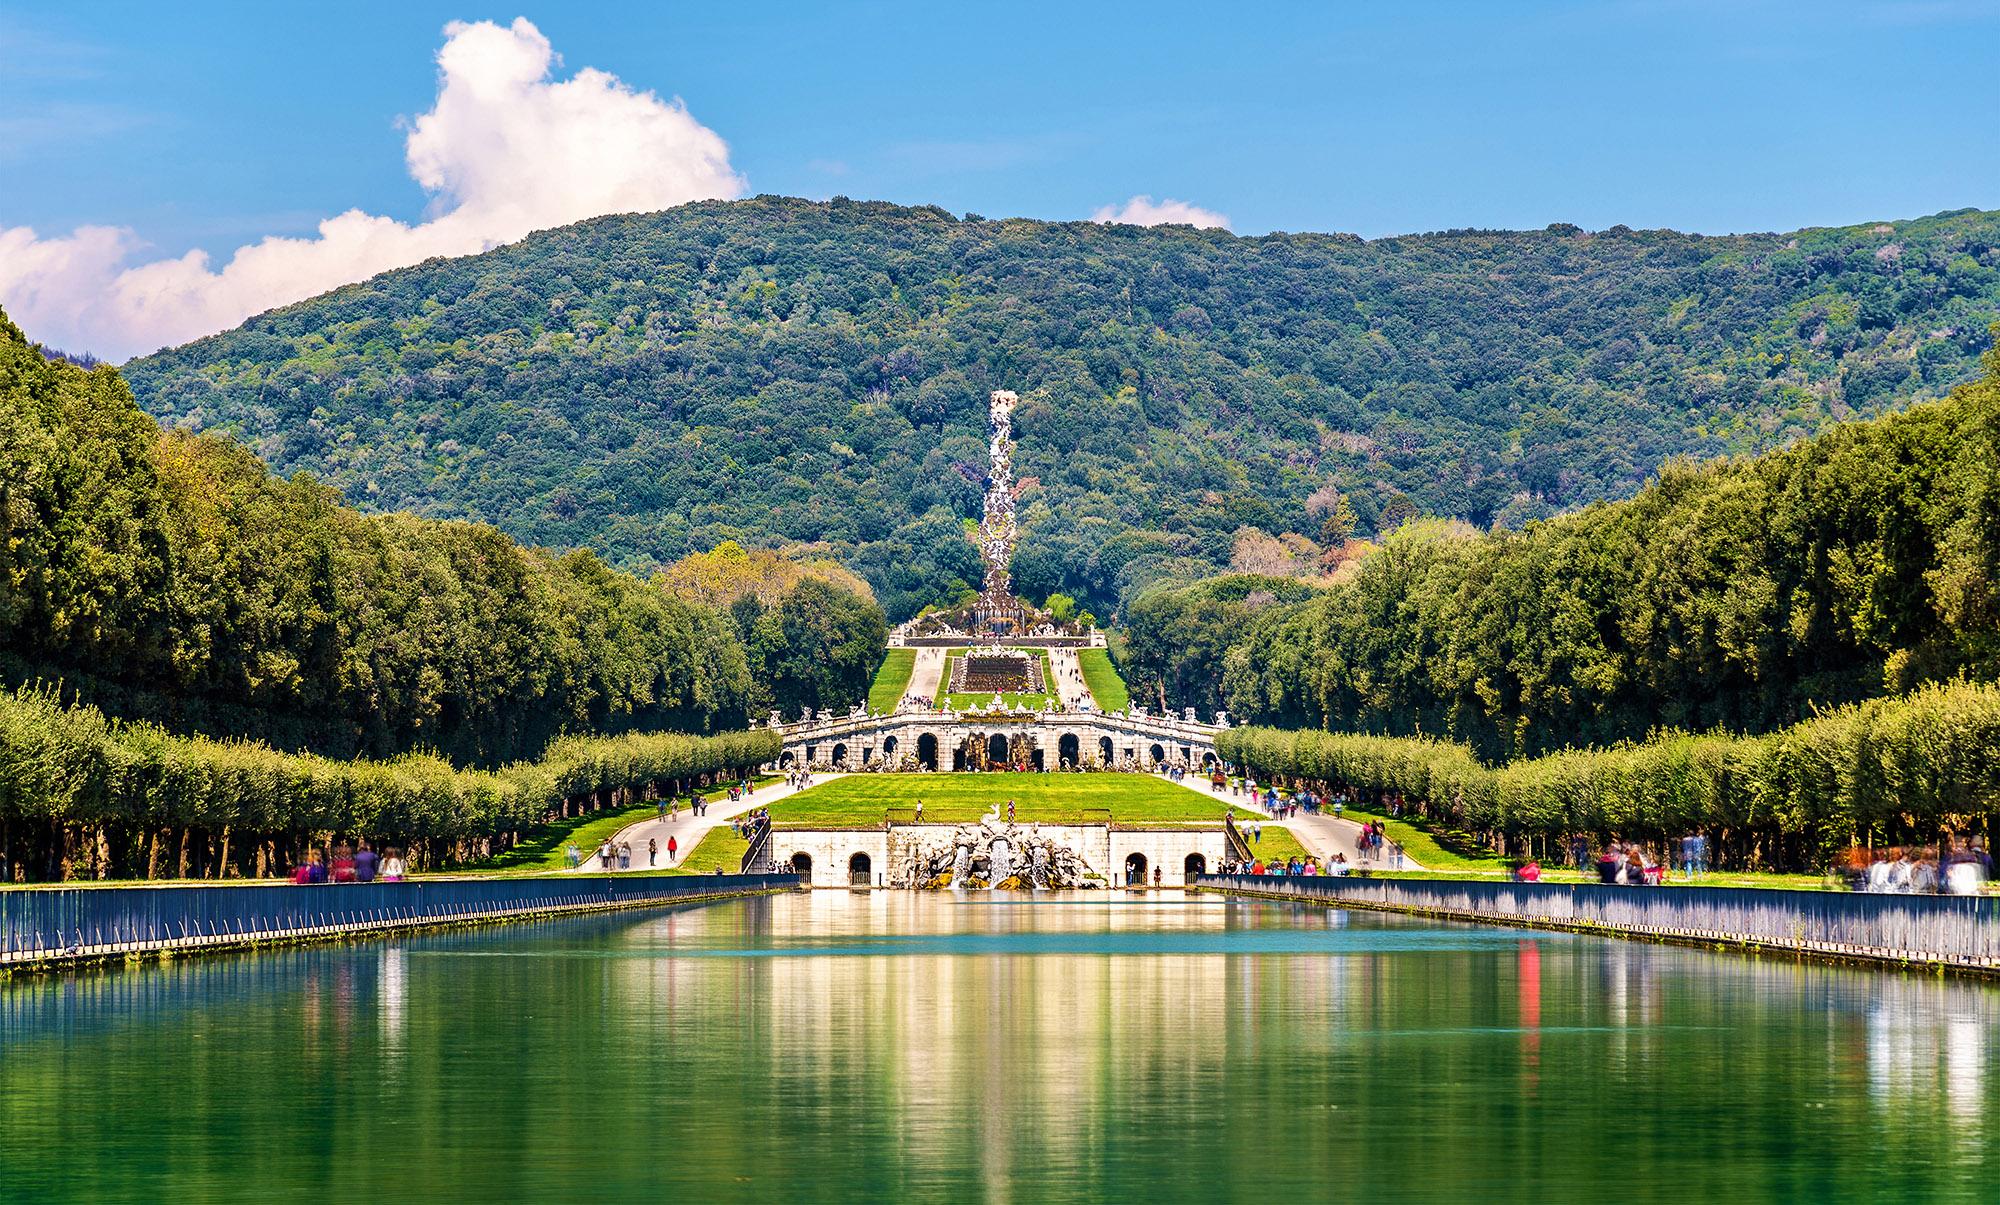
[(673, 847), (365, 864), (652, 851), (393, 870)]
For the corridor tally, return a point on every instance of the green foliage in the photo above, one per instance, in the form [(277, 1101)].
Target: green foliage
[(1890, 770), (615, 384), (64, 769), (168, 576), (817, 648), (1177, 637), (1740, 594)]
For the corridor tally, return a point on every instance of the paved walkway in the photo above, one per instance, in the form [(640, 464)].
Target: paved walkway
[(1070, 686), (1321, 834), (926, 676), (688, 829)]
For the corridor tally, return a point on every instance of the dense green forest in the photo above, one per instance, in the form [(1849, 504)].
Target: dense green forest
[(166, 576), (1897, 771), (1740, 594), (778, 371), (82, 796)]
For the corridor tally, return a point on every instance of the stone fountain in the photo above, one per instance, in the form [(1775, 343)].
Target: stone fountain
[(995, 855)]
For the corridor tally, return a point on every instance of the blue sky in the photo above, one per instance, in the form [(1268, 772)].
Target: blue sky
[(209, 126)]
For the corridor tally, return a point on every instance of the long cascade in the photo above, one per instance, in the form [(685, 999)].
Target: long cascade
[(998, 608)]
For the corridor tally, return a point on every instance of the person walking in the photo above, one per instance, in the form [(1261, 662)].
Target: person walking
[(652, 851), (673, 849), (365, 864)]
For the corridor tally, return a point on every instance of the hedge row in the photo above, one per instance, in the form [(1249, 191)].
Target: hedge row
[(1886, 770), (66, 770)]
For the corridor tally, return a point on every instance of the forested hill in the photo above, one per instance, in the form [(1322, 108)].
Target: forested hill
[(777, 370)]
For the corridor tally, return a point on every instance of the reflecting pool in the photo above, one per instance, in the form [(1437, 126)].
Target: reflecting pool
[(899, 1046)]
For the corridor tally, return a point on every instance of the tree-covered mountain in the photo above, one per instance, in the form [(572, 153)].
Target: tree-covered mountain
[(1743, 594), (166, 576), (777, 370)]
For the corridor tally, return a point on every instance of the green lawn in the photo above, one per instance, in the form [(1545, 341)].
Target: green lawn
[(1102, 677), (866, 800), (541, 850), (721, 847), (1276, 843), (892, 679), (963, 700), (1423, 848)]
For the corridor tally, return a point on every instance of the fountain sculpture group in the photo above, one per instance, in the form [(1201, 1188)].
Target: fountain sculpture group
[(995, 855)]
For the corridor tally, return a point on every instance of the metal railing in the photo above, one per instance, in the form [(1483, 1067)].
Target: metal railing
[(1935, 929), (1239, 849), (757, 858), (42, 924)]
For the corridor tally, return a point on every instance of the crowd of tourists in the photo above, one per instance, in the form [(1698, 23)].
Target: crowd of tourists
[(1958, 868), (346, 863), (1309, 865)]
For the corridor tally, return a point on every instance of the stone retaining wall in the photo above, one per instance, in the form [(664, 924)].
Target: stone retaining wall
[(1961, 933), (59, 927)]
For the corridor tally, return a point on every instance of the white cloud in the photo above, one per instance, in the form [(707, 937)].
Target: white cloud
[(505, 151), (1144, 211)]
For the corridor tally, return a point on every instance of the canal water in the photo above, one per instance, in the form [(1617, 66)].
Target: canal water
[(893, 1046)]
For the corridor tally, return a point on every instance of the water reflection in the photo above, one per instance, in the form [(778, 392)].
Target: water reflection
[(891, 1045)]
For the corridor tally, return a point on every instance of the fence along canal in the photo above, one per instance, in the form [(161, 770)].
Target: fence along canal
[(55, 927), (1959, 933)]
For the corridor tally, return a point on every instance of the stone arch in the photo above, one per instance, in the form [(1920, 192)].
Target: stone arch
[(1195, 864), (927, 746), (802, 865), (840, 753), (1158, 751), (1107, 751), (889, 749), (1208, 758), (1037, 760), (787, 758), (1069, 750), (996, 749), (1135, 870), (860, 871)]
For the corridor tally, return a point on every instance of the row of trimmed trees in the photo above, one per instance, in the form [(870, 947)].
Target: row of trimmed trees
[(1889, 771), (83, 796)]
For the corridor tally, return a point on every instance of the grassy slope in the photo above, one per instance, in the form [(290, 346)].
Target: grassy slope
[(1102, 678), (719, 847), (542, 849), (963, 700), (892, 679), (1277, 842), (1421, 846), (865, 800)]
